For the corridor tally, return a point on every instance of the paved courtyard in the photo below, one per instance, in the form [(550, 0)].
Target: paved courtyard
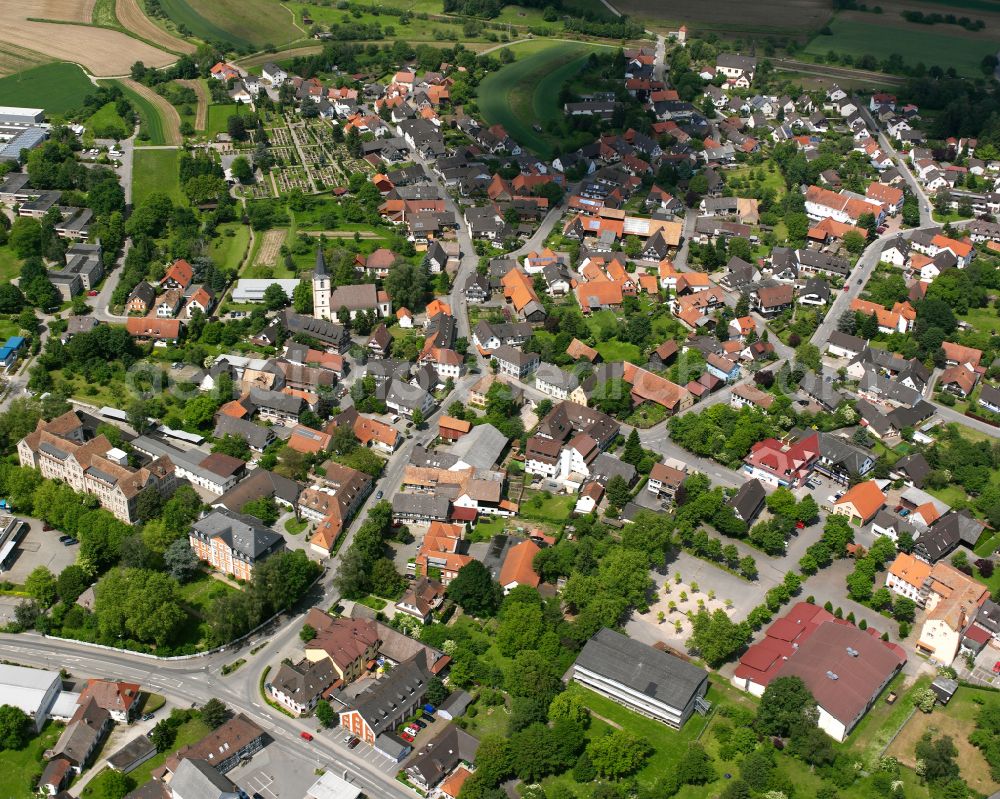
[(39, 548)]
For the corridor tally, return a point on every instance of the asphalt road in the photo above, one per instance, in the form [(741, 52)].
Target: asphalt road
[(197, 680)]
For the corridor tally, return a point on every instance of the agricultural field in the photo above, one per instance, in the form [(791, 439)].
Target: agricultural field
[(129, 14), (794, 17), (243, 24), (18, 59), (882, 35), (156, 170), (160, 120), (525, 93), (70, 35), (57, 88)]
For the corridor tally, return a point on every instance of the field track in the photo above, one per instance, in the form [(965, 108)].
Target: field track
[(836, 73), (283, 55), (132, 18), (101, 51), (168, 114), (201, 115)]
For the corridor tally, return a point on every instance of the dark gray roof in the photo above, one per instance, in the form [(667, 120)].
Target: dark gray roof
[(888, 520), (846, 341), (199, 780), (988, 616), (915, 467), (656, 674), (255, 435), (380, 704), (260, 483), (277, 400), (430, 505), (321, 329), (245, 534), (748, 500), (606, 466), (431, 764)]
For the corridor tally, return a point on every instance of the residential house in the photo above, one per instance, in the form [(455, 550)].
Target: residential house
[(748, 501)]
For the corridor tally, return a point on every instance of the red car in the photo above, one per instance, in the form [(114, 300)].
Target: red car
[(799, 525), (305, 736), (406, 737), (91, 293), (996, 667)]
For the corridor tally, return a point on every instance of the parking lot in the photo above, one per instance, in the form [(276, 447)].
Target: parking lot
[(366, 751), (38, 548)]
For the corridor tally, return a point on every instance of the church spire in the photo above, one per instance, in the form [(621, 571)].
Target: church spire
[(320, 270)]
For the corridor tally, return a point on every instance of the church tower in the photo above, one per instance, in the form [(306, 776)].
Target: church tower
[(321, 287)]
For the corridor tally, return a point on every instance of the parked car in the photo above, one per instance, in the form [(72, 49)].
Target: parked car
[(353, 742), (147, 717), (64, 538), (92, 293), (420, 724), (305, 736), (406, 737), (347, 738), (70, 542), (996, 667)]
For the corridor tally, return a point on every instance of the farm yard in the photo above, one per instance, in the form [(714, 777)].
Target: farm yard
[(882, 35), (56, 87), (526, 92), (242, 24), (99, 50)]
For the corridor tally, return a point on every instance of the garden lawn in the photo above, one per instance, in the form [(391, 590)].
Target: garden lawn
[(18, 767), (615, 350), (668, 745), (57, 88), (218, 118), (554, 508), (10, 264), (228, 251), (190, 732), (156, 171), (983, 320), (106, 123), (200, 593), (952, 494), (485, 530), (957, 720), (883, 721)]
